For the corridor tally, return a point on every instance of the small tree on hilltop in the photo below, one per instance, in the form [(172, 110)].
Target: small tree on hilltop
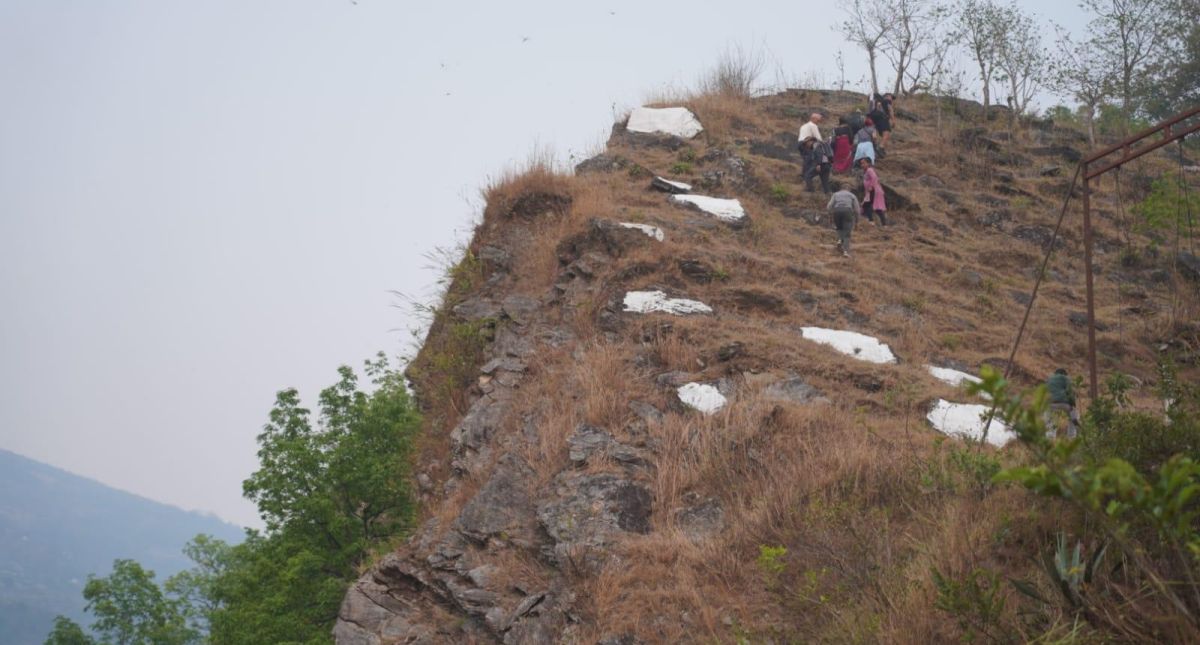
[(1130, 35), (979, 25), (1021, 60), (914, 27), (1081, 71), (867, 25)]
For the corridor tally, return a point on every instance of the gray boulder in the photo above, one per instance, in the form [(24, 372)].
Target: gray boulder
[(585, 512), (503, 507)]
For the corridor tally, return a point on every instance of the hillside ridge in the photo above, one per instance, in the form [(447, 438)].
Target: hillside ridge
[(631, 401)]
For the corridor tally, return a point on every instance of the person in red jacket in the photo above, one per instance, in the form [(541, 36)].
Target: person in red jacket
[(873, 202)]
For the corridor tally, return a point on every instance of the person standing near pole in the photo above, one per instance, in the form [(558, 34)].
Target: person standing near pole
[(1062, 399)]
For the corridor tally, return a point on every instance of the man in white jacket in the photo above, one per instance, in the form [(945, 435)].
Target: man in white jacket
[(810, 136), (810, 129)]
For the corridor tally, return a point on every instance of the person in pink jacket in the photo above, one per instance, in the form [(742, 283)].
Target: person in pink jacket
[(873, 203)]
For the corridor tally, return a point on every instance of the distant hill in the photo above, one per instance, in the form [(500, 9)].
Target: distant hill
[(56, 528)]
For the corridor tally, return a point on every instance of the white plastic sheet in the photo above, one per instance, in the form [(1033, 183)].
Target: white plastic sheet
[(860, 346), (678, 121), (727, 210), (644, 302)]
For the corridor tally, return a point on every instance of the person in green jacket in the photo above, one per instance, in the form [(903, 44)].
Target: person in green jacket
[(1062, 399)]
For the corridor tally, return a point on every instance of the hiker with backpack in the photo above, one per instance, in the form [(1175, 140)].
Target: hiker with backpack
[(820, 163), (882, 113), (843, 208), (873, 202), (816, 153), (864, 142)]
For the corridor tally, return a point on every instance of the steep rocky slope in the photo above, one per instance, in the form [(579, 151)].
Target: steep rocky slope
[(593, 473)]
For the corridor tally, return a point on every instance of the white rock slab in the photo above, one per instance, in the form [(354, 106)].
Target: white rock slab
[(727, 210), (967, 420), (702, 397), (644, 302), (860, 346), (678, 121), (951, 376), (653, 231), (954, 377)]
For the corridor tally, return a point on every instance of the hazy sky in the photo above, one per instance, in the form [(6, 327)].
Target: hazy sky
[(204, 202)]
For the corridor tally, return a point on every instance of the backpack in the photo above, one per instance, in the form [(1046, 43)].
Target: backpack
[(822, 152), (856, 120)]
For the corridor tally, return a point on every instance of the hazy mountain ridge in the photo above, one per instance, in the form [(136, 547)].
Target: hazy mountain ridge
[(57, 527)]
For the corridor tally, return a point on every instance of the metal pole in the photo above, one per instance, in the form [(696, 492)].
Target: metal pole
[(1093, 388)]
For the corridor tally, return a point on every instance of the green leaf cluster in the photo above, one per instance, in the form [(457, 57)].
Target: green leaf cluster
[(1148, 509), (330, 493)]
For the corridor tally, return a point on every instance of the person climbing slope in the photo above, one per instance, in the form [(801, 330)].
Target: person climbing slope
[(873, 203), (864, 142), (843, 208), (881, 112), (812, 150), (821, 162), (1062, 399), (842, 147)]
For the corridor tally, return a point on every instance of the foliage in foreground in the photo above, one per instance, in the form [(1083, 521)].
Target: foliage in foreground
[(1127, 558), (330, 495)]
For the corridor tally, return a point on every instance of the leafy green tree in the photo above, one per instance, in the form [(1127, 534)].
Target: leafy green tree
[(1170, 206), (68, 632), (343, 483), (195, 588), (131, 609), (1148, 511), (329, 494), (1174, 84)]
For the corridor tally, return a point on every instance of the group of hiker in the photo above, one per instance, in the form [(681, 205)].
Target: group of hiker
[(857, 142)]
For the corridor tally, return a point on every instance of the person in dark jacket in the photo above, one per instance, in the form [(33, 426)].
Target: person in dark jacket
[(820, 164), (1062, 399), (882, 113)]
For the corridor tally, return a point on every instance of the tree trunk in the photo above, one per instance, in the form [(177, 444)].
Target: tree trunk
[(987, 95), (874, 78), (1090, 119)]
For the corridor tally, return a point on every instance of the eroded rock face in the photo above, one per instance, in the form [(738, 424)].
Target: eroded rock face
[(502, 507), (585, 513)]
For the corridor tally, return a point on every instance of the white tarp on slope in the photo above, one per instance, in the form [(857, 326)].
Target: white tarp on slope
[(954, 377), (644, 302), (678, 121), (728, 210), (951, 376), (860, 346), (653, 231), (967, 420), (702, 397)]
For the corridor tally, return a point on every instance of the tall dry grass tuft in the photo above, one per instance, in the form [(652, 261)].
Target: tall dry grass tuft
[(538, 184), (723, 96), (735, 73)]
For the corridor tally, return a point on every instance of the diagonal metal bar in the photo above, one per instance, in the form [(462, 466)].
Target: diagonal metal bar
[(1170, 136)]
